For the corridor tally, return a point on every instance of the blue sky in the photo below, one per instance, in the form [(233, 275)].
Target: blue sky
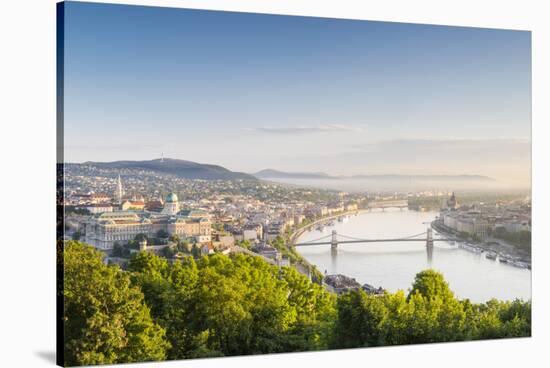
[(251, 91)]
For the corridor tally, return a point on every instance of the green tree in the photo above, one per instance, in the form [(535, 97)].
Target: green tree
[(175, 238), (244, 243), (431, 285), (77, 235), (429, 313), (118, 250), (243, 305), (168, 252), (315, 312), (184, 246), (105, 318), (167, 289), (236, 305), (497, 319), (139, 237), (149, 274), (162, 234), (218, 226), (360, 320), (195, 251)]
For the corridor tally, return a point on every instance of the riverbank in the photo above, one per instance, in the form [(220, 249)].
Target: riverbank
[(393, 265), (305, 266), (309, 227), (494, 249), (334, 283)]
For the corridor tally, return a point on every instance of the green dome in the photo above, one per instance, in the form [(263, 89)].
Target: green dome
[(171, 198)]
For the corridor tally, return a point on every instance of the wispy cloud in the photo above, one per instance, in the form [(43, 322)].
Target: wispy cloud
[(323, 128)]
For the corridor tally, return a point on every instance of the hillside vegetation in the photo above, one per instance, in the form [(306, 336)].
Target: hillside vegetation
[(236, 305)]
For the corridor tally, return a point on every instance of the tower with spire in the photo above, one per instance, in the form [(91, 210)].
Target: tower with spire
[(452, 203), (119, 191)]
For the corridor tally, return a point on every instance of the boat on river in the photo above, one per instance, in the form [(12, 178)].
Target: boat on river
[(471, 248), (504, 259), (466, 246), (521, 264)]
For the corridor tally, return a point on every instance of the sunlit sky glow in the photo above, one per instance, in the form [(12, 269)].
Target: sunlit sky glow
[(253, 91)]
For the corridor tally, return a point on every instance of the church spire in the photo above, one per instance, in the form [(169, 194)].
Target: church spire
[(119, 190)]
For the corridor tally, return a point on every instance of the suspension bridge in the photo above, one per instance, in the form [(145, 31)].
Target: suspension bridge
[(334, 239)]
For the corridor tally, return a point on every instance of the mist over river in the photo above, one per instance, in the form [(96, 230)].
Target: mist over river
[(403, 183), (394, 265)]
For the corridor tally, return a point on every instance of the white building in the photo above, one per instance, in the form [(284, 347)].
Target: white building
[(250, 234), (99, 208), (103, 230)]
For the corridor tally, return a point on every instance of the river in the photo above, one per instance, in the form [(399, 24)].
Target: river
[(394, 265)]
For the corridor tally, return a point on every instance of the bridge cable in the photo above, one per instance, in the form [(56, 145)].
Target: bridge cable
[(354, 238), (321, 238), (414, 236)]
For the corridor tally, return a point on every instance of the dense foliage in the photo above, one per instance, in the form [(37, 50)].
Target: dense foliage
[(105, 317), (220, 305), (429, 313), (235, 305), (296, 258)]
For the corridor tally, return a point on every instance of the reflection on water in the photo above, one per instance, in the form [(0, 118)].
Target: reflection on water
[(394, 265)]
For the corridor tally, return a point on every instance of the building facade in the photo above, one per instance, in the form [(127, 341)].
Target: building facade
[(108, 228)]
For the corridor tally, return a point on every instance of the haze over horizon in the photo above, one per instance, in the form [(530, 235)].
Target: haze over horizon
[(298, 94)]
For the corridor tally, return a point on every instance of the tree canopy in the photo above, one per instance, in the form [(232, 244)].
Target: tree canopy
[(429, 313), (105, 317), (235, 305), (219, 305)]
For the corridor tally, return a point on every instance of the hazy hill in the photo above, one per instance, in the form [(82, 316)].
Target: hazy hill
[(459, 178), (270, 173), (181, 168)]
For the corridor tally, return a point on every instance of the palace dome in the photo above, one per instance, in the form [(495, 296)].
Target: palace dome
[(171, 198)]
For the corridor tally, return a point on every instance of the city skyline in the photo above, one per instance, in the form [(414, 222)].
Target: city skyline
[(297, 94)]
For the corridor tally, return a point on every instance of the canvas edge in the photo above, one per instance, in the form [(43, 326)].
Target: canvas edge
[(60, 216)]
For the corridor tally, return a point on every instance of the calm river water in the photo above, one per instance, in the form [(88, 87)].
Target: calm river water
[(394, 265)]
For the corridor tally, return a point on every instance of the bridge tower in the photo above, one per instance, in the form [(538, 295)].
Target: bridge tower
[(429, 245), (334, 241)]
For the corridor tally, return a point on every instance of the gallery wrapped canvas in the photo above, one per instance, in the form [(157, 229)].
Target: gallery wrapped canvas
[(237, 183)]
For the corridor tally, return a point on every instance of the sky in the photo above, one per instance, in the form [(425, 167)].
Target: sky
[(255, 91)]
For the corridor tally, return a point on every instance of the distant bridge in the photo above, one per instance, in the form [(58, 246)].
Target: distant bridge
[(426, 237), (401, 203)]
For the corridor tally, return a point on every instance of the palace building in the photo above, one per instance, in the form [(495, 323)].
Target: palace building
[(171, 206), (103, 230)]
